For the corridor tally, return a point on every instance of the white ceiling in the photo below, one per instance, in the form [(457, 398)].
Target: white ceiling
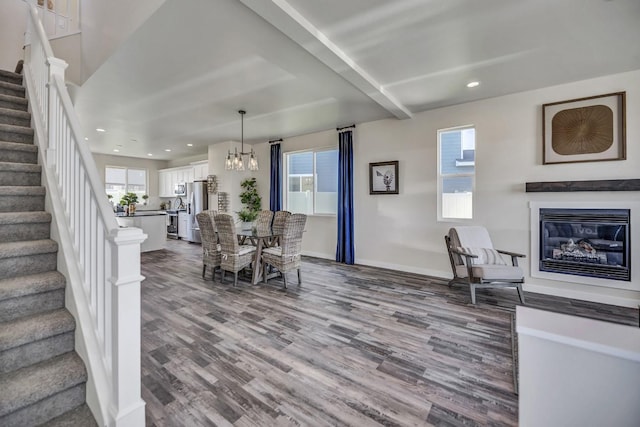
[(306, 65)]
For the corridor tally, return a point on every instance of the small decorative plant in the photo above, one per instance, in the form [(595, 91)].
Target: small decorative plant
[(128, 199), (145, 197), (250, 199)]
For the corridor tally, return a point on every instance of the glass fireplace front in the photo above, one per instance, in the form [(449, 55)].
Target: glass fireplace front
[(586, 242)]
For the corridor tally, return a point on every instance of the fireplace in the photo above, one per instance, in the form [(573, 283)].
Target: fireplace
[(585, 242)]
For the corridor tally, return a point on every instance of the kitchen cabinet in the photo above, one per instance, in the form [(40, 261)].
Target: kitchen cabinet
[(168, 178), (200, 170), (183, 223), (153, 224)]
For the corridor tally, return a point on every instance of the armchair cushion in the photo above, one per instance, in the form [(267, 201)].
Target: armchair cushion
[(484, 256), (492, 272)]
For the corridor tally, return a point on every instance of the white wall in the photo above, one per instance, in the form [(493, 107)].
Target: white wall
[(402, 232), (69, 48), (13, 24), (186, 161), (152, 166), (106, 24)]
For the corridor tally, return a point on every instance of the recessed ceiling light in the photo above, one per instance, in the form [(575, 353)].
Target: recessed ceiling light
[(149, 154), (167, 149), (86, 139), (100, 130), (473, 84), (115, 150), (189, 145)]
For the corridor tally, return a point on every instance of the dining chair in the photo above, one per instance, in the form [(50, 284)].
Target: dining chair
[(264, 220), (234, 257), (287, 256), (279, 218), (211, 250), (476, 263)]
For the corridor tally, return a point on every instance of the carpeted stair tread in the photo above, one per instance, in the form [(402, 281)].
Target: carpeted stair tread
[(16, 129), (28, 294), (19, 167), (15, 287), (18, 146), (7, 218), (14, 133), (13, 102), (22, 190), (10, 77), (32, 384), (34, 328), (78, 417), (33, 247), (9, 116), (12, 173), (11, 89)]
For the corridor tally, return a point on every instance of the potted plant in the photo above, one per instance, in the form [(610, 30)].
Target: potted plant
[(145, 197), (128, 199), (252, 202)]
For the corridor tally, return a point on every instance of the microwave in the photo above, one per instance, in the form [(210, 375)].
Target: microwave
[(180, 189)]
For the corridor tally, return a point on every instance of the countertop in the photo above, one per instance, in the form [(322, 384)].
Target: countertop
[(141, 213)]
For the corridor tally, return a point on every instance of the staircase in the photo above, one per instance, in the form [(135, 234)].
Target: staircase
[(42, 379)]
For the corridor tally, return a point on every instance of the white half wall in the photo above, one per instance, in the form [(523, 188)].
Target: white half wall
[(576, 371), (402, 231)]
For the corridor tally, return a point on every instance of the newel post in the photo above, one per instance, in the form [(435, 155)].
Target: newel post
[(56, 68), (127, 406)]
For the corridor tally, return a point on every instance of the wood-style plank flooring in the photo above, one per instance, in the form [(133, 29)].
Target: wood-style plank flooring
[(355, 346)]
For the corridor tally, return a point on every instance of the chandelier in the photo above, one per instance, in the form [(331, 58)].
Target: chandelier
[(235, 161)]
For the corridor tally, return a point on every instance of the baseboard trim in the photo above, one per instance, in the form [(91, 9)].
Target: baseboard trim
[(406, 268)]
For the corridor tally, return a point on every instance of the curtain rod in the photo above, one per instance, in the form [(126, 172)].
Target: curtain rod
[(346, 127), (275, 140)]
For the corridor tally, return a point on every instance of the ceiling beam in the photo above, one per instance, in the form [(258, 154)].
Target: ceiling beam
[(290, 22)]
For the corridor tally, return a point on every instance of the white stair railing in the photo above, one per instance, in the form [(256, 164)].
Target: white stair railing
[(100, 260)]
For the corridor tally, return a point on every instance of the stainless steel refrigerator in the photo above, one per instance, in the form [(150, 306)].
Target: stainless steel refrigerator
[(198, 202)]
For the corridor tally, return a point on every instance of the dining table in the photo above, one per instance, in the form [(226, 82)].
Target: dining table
[(260, 237)]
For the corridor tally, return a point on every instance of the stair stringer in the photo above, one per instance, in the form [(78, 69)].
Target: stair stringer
[(76, 300)]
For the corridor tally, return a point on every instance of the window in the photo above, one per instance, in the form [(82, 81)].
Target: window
[(456, 177), (119, 181), (311, 182)]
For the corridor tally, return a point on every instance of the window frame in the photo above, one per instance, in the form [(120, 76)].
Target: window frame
[(441, 176), (285, 180), (126, 179)]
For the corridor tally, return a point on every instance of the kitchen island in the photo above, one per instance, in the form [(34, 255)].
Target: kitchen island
[(152, 223)]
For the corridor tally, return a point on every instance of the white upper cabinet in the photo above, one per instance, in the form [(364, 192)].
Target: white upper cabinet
[(200, 170)]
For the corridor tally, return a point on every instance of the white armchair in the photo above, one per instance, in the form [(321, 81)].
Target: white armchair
[(476, 263)]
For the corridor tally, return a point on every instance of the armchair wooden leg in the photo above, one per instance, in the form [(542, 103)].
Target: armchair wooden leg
[(235, 279), (284, 279), (204, 270), (299, 278), (521, 293), (473, 293)]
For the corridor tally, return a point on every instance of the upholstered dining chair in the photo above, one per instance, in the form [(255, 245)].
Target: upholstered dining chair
[(287, 256), (211, 254), (476, 263), (234, 257), (279, 217)]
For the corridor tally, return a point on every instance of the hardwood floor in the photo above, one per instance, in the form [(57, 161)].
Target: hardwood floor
[(355, 346)]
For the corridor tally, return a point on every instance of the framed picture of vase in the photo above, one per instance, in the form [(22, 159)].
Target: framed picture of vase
[(383, 177), (584, 130)]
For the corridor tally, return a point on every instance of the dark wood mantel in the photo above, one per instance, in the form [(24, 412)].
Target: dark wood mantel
[(596, 185)]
